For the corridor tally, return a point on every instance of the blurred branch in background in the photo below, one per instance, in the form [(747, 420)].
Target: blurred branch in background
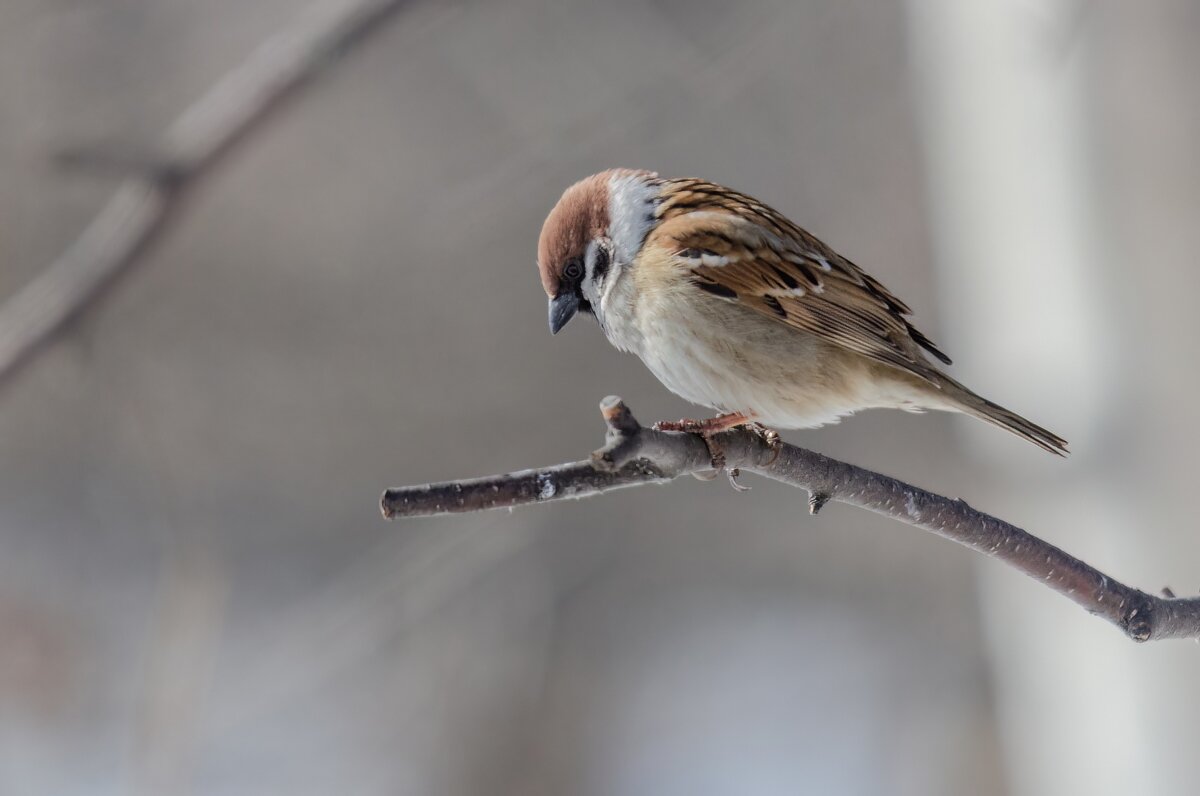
[(197, 139), (634, 455)]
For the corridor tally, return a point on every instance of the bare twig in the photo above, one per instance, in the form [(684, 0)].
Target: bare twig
[(197, 139), (633, 455)]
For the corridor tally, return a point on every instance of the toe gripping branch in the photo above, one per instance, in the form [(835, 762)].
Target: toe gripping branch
[(711, 448)]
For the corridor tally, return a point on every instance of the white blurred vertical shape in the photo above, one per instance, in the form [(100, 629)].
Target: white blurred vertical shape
[(1000, 101), (1001, 105)]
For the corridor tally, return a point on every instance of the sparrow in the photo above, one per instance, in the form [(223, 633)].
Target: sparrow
[(733, 306)]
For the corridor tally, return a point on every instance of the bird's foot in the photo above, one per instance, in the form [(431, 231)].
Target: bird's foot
[(769, 436), (716, 457), (705, 429)]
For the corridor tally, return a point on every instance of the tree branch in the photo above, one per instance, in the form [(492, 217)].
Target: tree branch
[(633, 455), (137, 211)]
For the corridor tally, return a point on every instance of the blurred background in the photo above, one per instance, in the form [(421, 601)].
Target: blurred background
[(198, 595)]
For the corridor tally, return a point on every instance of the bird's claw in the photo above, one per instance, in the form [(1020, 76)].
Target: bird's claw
[(715, 454), (769, 436), (733, 480), (705, 429)]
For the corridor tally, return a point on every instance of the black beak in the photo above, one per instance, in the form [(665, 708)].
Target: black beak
[(562, 309)]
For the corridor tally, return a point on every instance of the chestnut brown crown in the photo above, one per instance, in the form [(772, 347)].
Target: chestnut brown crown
[(580, 216)]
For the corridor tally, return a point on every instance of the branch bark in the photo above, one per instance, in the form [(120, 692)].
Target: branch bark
[(633, 456), (140, 206)]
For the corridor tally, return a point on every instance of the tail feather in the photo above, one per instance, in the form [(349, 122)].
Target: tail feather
[(980, 407)]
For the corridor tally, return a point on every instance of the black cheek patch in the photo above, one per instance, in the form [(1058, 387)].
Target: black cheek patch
[(603, 261)]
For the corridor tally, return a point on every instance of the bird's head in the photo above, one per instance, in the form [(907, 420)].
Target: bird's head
[(594, 232)]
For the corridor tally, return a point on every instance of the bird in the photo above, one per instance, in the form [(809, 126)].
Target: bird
[(734, 307)]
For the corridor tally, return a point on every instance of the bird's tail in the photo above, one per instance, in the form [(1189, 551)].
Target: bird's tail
[(963, 400)]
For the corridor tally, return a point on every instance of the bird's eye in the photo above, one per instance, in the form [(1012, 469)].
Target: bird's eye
[(573, 270)]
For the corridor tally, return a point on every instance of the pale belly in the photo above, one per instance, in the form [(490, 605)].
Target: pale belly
[(782, 377)]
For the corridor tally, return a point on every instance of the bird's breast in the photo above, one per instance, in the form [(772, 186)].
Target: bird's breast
[(722, 355)]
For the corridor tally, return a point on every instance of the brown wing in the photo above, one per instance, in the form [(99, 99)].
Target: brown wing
[(741, 250)]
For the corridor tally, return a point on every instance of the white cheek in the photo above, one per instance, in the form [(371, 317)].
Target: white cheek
[(603, 301), (589, 292), (599, 292), (616, 311)]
